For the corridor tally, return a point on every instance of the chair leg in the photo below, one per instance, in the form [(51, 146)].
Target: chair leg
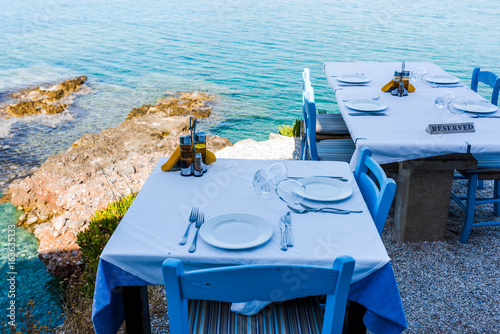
[(469, 213), (304, 148), (496, 195), (480, 184)]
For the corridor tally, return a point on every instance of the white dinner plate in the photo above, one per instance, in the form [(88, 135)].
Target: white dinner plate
[(236, 231), (325, 189), (366, 105), (353, 78), (476, 107), (442, 79)]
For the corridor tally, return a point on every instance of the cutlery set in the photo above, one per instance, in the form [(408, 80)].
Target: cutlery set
[(286, 238), (195, 217)]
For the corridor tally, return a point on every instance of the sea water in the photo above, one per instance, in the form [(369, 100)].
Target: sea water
[(250, 53)]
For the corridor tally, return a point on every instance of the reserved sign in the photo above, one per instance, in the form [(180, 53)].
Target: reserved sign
[(450, 128)]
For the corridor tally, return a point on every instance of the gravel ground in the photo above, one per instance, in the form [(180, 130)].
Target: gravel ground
[(445, 286)]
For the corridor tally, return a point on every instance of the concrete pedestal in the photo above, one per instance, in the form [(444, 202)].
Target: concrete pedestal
[(423, 196)]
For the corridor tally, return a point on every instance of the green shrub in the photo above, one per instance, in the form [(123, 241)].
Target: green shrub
[(92, 240), (321, 111), (293, 130)]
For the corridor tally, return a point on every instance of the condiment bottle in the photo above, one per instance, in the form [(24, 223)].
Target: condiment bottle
[(200, 146), (198, 165), (186, 155)]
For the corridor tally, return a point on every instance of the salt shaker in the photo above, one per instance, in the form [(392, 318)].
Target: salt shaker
[(197, 165)]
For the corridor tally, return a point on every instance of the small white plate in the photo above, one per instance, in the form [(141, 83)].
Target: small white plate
[(353, 78), (236, 231), (366, 105), (325, 189), (476, 107), (442, 79)]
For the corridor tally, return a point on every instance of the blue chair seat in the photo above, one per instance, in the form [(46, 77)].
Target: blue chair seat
[(302, 315), (328, 125), (337, 150)]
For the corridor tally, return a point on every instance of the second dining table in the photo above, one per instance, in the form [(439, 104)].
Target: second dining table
[(157, 219), (426, 162)]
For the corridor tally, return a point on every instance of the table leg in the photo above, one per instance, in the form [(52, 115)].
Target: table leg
[(423, 196), (136, 309), (353, 320)]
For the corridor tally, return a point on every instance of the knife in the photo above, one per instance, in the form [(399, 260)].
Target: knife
[(366, 114), (288, 230), (283, 246)]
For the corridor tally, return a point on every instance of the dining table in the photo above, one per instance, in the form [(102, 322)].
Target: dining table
[(156, 221), (400, 131)]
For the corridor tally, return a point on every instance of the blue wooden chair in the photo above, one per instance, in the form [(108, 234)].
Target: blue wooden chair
[(488, 78), (488, 168), (198, 301), (330, 149), (328, 126), (378, 190)]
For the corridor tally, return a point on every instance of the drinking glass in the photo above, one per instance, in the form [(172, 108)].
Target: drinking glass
[(276, 172), (444, 100), (417, 74), (290, 191), (264, 188)]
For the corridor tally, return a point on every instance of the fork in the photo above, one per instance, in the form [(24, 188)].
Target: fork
[(192, 218), (199, 222)]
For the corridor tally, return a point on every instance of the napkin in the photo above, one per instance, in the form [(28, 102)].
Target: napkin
[(173, 162), (388, 86)]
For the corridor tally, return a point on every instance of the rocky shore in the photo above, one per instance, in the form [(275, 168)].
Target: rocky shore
[(50, 99), (63, 194)]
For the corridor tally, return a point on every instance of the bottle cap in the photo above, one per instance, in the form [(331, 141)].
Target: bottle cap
[(185, 140), (200, 137)]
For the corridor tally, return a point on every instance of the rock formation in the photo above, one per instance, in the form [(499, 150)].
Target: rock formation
[(50, 100), (60, 198)]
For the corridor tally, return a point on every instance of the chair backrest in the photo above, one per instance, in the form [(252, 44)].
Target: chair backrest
[(378, 190), (310, 123), (306, 86), (488, 78), (258, 282)]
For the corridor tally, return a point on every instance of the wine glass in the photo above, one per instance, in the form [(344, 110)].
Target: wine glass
[(276, 172), (264, 188), (444, 100), (417, 74), (290, 191)]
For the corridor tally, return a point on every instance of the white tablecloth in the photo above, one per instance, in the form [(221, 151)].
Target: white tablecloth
[(150, 231), (401, 135)]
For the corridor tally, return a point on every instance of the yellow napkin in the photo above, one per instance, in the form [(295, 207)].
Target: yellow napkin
[(174, 160), (388, 86)]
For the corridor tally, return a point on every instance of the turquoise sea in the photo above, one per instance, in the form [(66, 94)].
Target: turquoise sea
[(251, 53)]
